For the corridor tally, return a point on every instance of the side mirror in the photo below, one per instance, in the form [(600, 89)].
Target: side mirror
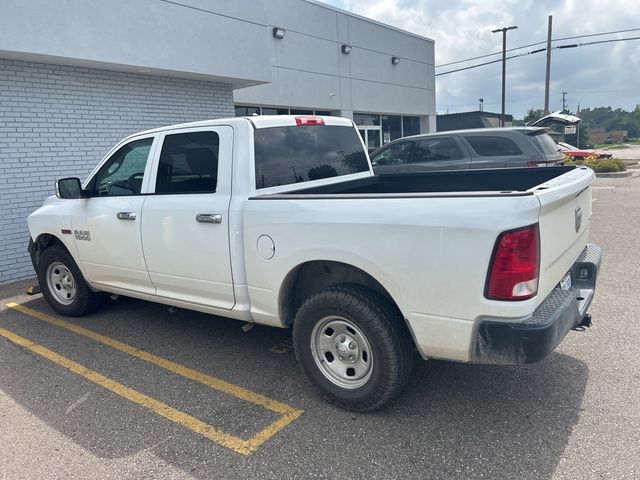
[(69, 188)]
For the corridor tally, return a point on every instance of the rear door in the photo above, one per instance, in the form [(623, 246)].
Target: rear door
[(439, 153), (185, 227)]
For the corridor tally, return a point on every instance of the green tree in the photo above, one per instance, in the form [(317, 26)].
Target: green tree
[(533, 114)]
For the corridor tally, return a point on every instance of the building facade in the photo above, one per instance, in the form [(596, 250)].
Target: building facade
[(77, 76)]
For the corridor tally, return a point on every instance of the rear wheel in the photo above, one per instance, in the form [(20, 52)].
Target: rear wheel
[(62, 284), (353, 346)]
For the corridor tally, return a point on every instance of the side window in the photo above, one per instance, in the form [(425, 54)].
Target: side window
[(188, 163), (397, 153), (122, 174), (493, 146), (434, 149)]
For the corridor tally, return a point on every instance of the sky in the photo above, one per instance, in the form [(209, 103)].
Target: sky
[(592, 75)]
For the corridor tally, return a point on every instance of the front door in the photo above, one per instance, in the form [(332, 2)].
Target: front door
[(371, 135), (185, 226), (107, 225)]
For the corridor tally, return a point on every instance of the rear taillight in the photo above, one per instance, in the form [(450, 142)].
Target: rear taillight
[(308, 120), (515, 266)]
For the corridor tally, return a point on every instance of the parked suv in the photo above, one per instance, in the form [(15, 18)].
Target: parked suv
[(482, 148)]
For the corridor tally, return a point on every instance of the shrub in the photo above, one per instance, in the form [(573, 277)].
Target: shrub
[(599, 165)]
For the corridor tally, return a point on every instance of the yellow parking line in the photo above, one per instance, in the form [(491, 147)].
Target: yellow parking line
[(289, 414), (241, 446)]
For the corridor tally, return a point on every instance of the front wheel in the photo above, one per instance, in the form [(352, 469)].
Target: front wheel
[(353, 346), (62, 284)]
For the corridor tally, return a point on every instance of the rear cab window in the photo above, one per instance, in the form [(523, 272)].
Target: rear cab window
[(286, 155), (493, 146)]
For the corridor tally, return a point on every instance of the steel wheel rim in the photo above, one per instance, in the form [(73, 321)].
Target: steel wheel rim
[(341, 352), (61, 283)]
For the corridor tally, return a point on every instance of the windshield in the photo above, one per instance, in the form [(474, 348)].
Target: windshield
[(286, 155)]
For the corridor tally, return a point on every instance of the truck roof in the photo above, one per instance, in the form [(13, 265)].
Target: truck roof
[(258, 121)]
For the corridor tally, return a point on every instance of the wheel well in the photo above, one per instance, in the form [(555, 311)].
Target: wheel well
[(44, 241), (311, 277)]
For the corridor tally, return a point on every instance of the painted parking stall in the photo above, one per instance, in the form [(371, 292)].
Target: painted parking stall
[(245, 446)]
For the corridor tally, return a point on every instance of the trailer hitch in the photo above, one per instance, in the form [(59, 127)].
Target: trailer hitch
[(584, 323)]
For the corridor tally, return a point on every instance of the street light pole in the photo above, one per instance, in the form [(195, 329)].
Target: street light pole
[(504, 31)]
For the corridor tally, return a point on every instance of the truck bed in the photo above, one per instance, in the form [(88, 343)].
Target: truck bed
[(503, 181)]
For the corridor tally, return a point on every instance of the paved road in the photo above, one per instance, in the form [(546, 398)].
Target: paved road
[(632, 152), (576, 415)]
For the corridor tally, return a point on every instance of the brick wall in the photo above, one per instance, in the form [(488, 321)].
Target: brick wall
[(58, 121)]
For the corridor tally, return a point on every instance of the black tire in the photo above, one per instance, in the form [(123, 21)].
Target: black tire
[(385, 335), (82, 301)]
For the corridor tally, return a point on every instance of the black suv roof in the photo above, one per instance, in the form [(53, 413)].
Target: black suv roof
[(526, 130)]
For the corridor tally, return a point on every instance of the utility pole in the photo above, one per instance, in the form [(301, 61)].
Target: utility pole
[(564, 102), (504, 31), (548, 74)]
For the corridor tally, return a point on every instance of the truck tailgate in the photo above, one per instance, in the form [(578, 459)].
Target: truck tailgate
[(565, 217)]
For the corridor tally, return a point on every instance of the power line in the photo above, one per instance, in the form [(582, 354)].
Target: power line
[(601, 41), (598, 34), (575, 45), (490, 62), (539, 43), (490, 54)]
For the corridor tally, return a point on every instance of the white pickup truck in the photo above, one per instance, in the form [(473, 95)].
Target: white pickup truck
[(280, 220)]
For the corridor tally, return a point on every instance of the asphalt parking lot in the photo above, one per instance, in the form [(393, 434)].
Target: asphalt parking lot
[(137, 391)]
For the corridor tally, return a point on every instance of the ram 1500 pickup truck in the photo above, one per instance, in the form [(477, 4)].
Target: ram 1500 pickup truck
[(280, 220)]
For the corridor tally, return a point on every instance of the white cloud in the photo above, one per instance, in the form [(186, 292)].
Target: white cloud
[(594, 75)]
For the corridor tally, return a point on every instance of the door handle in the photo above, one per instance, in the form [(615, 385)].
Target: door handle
[(126, 215), (208, 218)]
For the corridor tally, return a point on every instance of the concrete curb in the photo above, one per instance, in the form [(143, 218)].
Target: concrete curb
[(16, 288)]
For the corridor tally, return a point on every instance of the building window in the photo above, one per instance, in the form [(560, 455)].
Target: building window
[(391, 128), (366, 118), (247, 111), (301, 112), (244, 111), (410, 126), (275, 111)]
